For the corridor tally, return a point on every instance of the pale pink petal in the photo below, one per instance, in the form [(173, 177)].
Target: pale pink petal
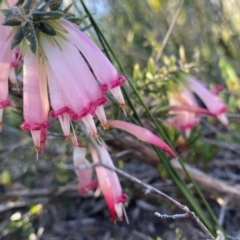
[(85, 78), (103, 69), (212, 102), (105, 184), (5, 59), (142, 134), (58, 103), (34, 103), (176, 109), (84, 176), (43, 86), (76, 98), (12, 2), (5, 31), (109, 182), (62, 72)]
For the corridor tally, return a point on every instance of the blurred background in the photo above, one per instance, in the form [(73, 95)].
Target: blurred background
[(39, 199)]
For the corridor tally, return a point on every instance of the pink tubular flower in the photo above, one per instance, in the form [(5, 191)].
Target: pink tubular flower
[(15, 63), (5, 60), (35, 99), (213, 103), (78, 101), (104, 71), (142, 134), (183, 120), (109, 182), (84, 176), (72, 64)]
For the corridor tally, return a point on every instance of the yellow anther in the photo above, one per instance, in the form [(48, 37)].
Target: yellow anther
[(36, 148), (105, 126), (96, 137), (123, 107), (68, 138), (120, 219)]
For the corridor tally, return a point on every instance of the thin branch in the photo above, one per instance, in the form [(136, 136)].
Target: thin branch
[(149, 189), (175, 216), (169, 32)]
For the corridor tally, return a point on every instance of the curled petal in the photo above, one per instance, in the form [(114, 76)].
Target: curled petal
[(142, 134)]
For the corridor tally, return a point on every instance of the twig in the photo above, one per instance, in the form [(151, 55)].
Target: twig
[(214, 186), (40, 192), (172, 25), (152, 189), (229, 146), (175, 216), (210, 184)]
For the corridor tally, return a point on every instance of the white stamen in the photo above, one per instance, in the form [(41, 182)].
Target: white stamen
[(125, 214), (223, 119), (89, 124), (101, 115), (74, 134), (117, 93), (36, 135), (64, 120)]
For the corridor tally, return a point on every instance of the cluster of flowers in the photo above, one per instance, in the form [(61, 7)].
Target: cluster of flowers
[(108, 180), (184, 106), (73, 72), (59, 67)]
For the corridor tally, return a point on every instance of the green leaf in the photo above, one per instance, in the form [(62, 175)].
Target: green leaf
[(11, 22), (55, 4), (46, 28), (30, 35), (67, 8), (29, 5), (76, 20), (18, 37), (51, 15), (151, 66), (136, 71), (7, 12), (5, 177), (171, 171)]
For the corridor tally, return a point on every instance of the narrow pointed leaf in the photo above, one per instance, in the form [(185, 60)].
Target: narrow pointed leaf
[(67, 8), (11, 22), (55, 4), (76, 20), (6, 12), (18, 37), (46, 28), (30, 35), (29, 5), (51, 15)]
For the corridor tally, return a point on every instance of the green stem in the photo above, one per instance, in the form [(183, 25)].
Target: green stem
[(171, 171)]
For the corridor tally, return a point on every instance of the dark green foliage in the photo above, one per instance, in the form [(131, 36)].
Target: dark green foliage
[(45, 28), (7, 12), (30, 35), (18, 37), (51, 15), (11, 22)]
